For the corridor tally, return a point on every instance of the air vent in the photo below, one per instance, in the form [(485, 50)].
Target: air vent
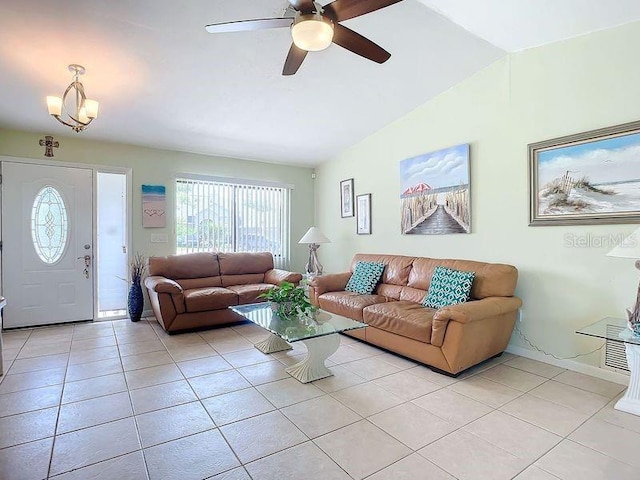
[(615, 357)]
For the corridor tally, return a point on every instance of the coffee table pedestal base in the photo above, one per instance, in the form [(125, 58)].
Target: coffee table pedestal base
[(272, 344), (313, 367), (630, 402)]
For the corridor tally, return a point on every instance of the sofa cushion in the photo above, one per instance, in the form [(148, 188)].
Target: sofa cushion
[(211, 298), (187, 265), (448, 287), (365, 277), (249, 293), (242, 263), (397, 267), (404, 318), (348, 304), (245, 279)]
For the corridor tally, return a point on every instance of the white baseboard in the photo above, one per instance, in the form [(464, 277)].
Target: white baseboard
[(571, 365), (147, 313)]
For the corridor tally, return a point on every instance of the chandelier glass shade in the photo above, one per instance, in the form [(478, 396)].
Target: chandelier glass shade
[(73, 109)]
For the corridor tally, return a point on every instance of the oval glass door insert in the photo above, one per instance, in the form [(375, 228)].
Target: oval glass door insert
[(49, 225)]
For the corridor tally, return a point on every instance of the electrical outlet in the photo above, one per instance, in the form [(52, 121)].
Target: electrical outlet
[(159, 238)]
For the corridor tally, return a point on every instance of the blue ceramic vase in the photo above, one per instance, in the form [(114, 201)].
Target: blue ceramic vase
[(136, 301)]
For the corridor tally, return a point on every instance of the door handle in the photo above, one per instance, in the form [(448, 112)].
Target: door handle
[(87, 264)]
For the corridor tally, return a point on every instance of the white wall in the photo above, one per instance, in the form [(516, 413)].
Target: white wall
[(560, 89)]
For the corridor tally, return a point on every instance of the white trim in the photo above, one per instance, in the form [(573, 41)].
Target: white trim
[(571, 365), (233, 180)]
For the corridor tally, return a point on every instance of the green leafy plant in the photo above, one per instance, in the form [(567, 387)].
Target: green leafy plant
[(290, 300)]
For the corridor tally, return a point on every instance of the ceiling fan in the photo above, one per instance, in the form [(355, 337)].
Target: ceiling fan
[(314, 28)]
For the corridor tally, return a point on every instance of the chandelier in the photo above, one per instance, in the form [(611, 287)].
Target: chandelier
[(78, 110)]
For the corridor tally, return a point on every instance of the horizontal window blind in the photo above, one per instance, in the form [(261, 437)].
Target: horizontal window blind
[(229, 217)]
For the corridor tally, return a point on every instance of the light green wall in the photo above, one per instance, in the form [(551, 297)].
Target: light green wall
[(547, 92), (158, 167)]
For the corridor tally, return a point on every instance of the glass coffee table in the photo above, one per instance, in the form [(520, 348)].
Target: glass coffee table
[(615, 329), (319, 334)]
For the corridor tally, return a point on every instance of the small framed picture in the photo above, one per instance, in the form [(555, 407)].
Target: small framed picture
[(363, 214), (346, 198)]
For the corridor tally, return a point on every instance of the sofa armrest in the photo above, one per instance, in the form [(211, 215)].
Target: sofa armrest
[(276, 276), (162, 285), (333, 282), (468, 312)]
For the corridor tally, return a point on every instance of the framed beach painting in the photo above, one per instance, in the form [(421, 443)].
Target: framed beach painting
[(363, 214), (346, 198), (588, 178), (434, 194), (154, 206)]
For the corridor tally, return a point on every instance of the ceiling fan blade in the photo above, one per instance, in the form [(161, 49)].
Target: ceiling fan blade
[(346, 9), (294, 60), (244, 25), (347, 38), (305, 6)]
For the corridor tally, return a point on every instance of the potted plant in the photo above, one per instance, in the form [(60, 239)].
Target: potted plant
[(287, 300), (135, 302)]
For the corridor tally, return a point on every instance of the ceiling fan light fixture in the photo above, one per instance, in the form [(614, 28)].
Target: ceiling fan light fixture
[(312, 32)]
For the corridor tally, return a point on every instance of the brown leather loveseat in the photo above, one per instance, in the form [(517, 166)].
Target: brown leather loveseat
[(194, 290), (450, 339)]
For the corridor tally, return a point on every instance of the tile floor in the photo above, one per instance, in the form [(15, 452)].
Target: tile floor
[(121, 400)]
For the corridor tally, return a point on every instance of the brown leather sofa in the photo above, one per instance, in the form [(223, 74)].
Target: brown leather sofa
[(450, 339), (194, 290)]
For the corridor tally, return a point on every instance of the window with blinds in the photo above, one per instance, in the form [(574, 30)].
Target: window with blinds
[(220, 216)]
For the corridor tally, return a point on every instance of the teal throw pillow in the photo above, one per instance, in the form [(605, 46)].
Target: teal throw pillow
[(448, 287), (365, 277)]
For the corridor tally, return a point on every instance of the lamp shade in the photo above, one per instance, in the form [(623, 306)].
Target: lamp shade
[(314, 235), (627, 248)]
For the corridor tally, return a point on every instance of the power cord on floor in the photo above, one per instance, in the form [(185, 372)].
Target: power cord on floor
[(535, 347)]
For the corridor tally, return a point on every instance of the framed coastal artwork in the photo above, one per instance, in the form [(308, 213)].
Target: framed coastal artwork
[(363, 214), (346, 198), (154, 206), (434, 194), (588, 178)]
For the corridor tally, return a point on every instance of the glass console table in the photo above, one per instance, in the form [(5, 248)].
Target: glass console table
[(616, 330)]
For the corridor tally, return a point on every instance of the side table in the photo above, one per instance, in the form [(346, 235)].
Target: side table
[(616, 330)]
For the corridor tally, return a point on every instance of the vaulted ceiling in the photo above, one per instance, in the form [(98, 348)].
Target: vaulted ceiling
[(162, 81)]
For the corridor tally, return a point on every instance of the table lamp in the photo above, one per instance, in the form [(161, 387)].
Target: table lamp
[(630, 248), (314, 237)]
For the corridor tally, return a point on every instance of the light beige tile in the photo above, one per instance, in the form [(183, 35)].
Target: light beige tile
[(598, 436), (138, 348), (341, 378), (570, 461), (95, 444), (27, 427), (370, 368), (166, 395), (146, 360), (290, 360), (466, 456), (203, 366), (288, 391), (397, 360), (231, 345), (27, 461), (39, 363), (367, 398), (571, 397), (236, 474), (413, 467), (30, 351), (191, 352), (198, 456), (619, 418), (485, 391), (533, 366), (93, 369), (428, 374), (147, 377), (263, 435), (302, 461), (513, 377), (127, 467), (345, 354), (29, 400), (548, 415), (234, 406), (102, 329), (515, 436), (171, 423), (91, 343), (220, 334), (243, 358), (93, 387), (412, 425), (534, 473), (248, 329), (591, 384), (320, 415), (264, 372), (218, 383), (93, 355), (406, 385), (137, 337), (297, 349), (182, 339), (375, 448), (365, 348), (29, 380), (92, 412), (452, 407)]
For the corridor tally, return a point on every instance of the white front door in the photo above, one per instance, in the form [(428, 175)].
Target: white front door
[(47, 254)]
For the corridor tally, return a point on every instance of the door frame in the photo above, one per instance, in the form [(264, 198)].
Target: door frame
[(95, 168)]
